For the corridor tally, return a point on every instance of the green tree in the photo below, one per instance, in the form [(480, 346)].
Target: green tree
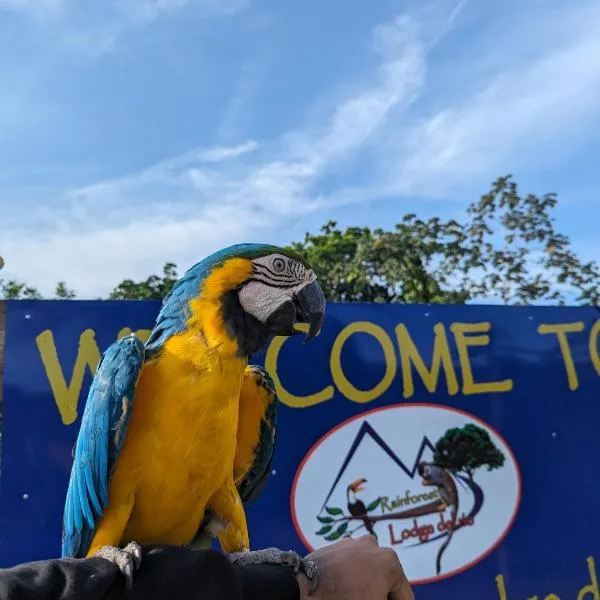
[(16, 290), (62, 292), (512, 252), (467, 449), (506, 249), (360, 265), (153, 287)]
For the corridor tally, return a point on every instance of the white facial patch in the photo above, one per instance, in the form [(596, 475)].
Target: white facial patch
[(260, 300)]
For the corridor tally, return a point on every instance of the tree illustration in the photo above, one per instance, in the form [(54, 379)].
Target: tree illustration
[(467, 449)]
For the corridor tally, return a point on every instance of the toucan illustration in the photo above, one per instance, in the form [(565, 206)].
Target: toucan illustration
[(356, 507)]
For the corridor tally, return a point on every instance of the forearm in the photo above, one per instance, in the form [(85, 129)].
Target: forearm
[(165, 573), (267, 582), (65, 579)]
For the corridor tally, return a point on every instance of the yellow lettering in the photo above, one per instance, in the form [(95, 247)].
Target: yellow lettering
[(501, 587), (502, 590), (286, 397), (339, 377), (591, 590), (593, 346), (385, 504), (142, 334), (463, 341), (66, 395), (409, 356), (561, 330)]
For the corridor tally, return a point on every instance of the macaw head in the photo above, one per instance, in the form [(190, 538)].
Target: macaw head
[(282, 290), (256, 291)]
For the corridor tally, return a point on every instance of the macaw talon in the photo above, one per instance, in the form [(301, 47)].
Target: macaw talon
[(128, 559), (274, 556)]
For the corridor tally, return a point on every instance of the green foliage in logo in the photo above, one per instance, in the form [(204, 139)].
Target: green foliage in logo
[(336, 517)]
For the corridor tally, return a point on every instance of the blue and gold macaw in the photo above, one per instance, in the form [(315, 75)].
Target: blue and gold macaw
[(183, 428)]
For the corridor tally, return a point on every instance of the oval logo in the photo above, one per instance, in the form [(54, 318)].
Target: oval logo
[(438, 485)]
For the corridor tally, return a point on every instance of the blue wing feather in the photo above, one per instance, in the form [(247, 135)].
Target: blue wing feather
[(103, 427), (251, 486)]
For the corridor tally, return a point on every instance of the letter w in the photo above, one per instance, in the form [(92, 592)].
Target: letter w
[(66, 395)]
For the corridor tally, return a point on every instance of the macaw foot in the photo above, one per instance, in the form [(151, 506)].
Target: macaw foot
[(274, 556), (128, 559)]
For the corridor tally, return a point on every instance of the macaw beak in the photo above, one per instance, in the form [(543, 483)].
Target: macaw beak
[(310, 308), (307, 305)]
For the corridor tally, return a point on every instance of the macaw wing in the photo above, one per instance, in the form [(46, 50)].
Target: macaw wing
[(103, 427), (258, 389)]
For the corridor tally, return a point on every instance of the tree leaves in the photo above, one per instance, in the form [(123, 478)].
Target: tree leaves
[(342, 529), (337, 534), (324, 529), (467, 449), (506, 248), (325, 519), (329, 523), (62, 292), (16, 290), (154, 287), (360, 265), (373, 505), (334, 510)]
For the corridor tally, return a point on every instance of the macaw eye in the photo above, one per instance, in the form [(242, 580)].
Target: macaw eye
[(279, 264)]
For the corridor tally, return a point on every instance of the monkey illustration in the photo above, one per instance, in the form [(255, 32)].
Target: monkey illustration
[(434, 475)]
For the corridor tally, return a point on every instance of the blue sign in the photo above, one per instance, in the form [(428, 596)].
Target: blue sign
[(463, 437)]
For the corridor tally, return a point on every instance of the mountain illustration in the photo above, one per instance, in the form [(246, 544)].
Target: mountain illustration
[(366, 429), (469, 439)]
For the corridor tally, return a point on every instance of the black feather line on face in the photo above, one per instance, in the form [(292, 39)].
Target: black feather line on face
[(269, 283), (250, 334), (269, 276)]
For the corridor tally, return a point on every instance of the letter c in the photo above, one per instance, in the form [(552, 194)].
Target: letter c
[(286, 397)]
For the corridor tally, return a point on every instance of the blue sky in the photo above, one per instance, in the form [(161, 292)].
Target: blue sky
[(133, 132)]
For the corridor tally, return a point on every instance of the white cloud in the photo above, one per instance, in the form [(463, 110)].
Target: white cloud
[(220, 154), (127, 227), (94, 27), (187, 206), (526, 114)]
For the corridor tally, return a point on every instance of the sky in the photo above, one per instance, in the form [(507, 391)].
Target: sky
[(136, 132)]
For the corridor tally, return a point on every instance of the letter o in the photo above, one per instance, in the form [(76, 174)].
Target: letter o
[(339, 378), (593, 346)]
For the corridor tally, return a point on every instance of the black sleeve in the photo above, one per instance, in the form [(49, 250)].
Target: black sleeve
[(167, 573)]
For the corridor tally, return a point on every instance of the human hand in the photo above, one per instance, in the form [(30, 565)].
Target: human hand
[(357, 569)]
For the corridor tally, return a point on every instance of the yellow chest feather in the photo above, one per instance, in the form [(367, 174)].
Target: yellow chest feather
[(180, 445)]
